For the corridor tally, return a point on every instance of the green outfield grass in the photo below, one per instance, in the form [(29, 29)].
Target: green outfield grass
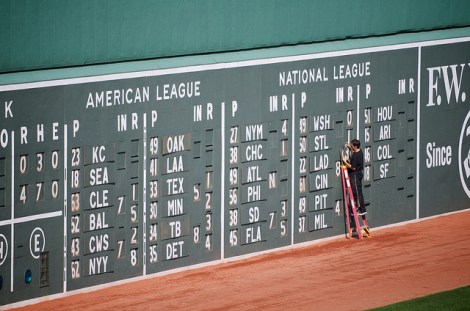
[(457, 299)]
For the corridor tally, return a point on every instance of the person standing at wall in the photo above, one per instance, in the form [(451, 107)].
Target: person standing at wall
[(355, 169)]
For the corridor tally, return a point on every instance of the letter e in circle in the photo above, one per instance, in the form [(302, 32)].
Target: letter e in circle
[(37, 242)]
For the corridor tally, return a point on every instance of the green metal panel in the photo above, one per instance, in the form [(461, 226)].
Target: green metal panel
[(445, 144), (351, 97), (34, 199), (117, 176), (51, 33)]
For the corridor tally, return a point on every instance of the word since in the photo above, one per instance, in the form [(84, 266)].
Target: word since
[(438, 156)]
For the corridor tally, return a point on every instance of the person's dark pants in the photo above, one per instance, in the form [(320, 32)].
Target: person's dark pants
[(356, 185)]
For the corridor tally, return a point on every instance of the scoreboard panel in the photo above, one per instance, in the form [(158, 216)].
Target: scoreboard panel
[(445, 143), (113, 177), (257, 166), (360, 101)]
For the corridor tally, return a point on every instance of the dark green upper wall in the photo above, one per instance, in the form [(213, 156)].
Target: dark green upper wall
[(38, 34)]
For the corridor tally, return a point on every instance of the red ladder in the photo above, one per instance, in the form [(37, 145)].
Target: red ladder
[(350, 207)]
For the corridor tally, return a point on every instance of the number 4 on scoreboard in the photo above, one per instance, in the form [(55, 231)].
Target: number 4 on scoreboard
[(338, 207), (284, 128), (209, 242)]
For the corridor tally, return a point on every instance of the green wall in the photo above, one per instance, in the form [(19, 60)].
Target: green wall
[(43, 34)]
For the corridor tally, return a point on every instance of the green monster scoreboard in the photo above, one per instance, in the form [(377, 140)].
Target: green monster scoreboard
[(113, 177)]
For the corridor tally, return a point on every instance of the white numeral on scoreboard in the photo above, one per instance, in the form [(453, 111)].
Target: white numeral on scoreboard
[(303, 125), (39, 191), (208, 200), (233, 176), (23, 164), (283, 208), (208, 222), (154, 145), (234, 135), (75, 224), (196, 234), (75, 269), (75, 179), (302, 204), (153, 167), (283, 227), (120, 249), (302, 224), (153, 253), (272, 220), (284, 128), (55, 189), (233, 196), (338, 207), (134, 257), (233, 217), (75, 199), (55, 159), (153, 232), (40, 158), (153, 210), (154, 189), (134, 235), (209, 242), (233, 155), (234, 237), (75, 247), (75, 157)]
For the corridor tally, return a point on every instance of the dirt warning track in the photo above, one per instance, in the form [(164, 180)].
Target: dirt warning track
[(396, 264)]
